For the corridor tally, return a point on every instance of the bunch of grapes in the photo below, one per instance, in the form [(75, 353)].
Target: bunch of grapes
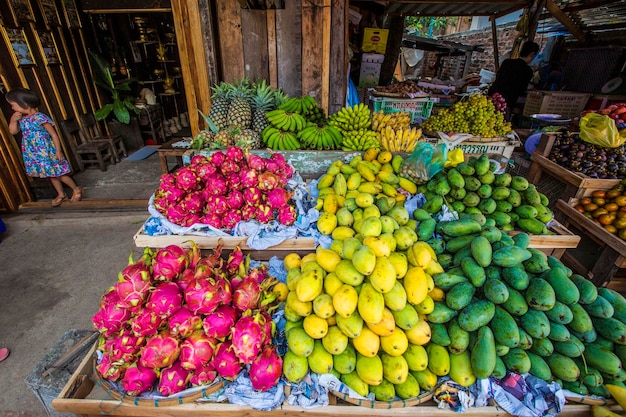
[(476, 116), (498, 102)]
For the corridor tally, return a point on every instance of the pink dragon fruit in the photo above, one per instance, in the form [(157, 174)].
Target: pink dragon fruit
[(247, 338), (287, 171), (165, 299), (231, 219), (235, 261), (266, 369), (264, 213), (174, 195), (217, 204), (224, 292), (204, 375), (256, 162), (219, 323), (209, 263), (248, 178), (248, 212), (183, 322), (202, 296), (125, 346), (216, 185), (191, 219), (271, 166), (160, 351), (169, 262), (252, 196), (235, 199), (176, 214), (109, 369), (225, 361), (278, 197), (279, 158), (212, 219), (196, 350), (217, 158), (166, 181), (133, 284), (235, 153), (146, 323), (287, 215), (205, 171), (173, 379), (110, 318), (268, 181), (260, 275), (198, 160), (229, 167), (233, 181), (187, 179), (185, 277), (193, 202), (138, 379)]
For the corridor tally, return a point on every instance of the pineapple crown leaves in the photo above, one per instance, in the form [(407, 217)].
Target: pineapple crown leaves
[(210, 125), (222, 90)]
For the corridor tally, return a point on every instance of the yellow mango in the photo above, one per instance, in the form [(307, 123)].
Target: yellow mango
[(395, 368), (420, 254), (408, 185), (323, 306), (396, 343), (348, 274), (400, 264), (371, 211), (367, 343), (364, 260), (371, 304), (353, 182), (326, 223), (332, 283), (295, 367), (370, 187), (364, 200), (345, 300), (325, 181), (416, 285), (426, 379), (315, 326), (384, 327), (419, 334), (335, 341), (349, 246), (395, 299), (309, 286), (344, 217), (426, 307), (383, 277), (351, 326), (320, 361), (327, 258), (300, 308), (416, 357), (369, 369), (371, 226), (293, 276), (437, 294), (308, 258), (371, 154), (331, 205)]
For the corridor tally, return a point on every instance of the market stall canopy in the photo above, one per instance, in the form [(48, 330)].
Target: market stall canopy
[(450, 8), (590, 16)]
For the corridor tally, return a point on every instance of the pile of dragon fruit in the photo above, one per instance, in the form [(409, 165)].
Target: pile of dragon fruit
[(175, 319), (226, 188)]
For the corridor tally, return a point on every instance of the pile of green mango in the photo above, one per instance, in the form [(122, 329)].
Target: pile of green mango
[(473, 187), (511, 307)]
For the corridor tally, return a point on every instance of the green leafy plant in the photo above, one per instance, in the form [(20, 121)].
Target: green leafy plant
[(123, 102)]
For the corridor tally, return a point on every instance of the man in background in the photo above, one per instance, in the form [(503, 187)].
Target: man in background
[(514, 75)]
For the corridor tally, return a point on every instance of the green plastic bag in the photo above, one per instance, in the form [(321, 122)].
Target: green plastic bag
[(600, 130), (425, 161)]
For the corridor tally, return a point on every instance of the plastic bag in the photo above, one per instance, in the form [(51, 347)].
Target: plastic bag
[(425, 161), (600, 130)]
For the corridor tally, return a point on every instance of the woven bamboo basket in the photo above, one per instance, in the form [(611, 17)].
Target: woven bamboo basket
[(410, 402)]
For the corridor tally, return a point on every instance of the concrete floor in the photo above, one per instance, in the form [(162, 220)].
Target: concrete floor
[(55, 264)]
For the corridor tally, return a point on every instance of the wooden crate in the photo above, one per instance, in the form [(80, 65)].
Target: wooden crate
[(554, 245), (613, 255), (301, 245), (84, 397)]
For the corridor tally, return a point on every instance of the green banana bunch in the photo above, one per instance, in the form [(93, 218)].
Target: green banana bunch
[(315, 115), (352, 118), (359, 140), (285, 120), (320, 137), (279, 139), (300, 105)]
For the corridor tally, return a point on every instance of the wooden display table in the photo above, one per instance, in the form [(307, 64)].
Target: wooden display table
[(82, 395), (166, 150), (613, 255)]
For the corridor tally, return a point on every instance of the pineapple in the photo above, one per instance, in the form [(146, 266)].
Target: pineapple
[(240, 110), (248, 139), (223, 138), (262, 102), (220, 103), (203, 139)]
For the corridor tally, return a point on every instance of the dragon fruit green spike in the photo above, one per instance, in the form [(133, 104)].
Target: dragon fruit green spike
[(266, 369), (138, 379), (218, 324), (187, 179), (201, 295), (160, 351), (110, 370), (226, 362), (235, 260), (173, 379), (204, 375), (146, 323), (247, 338), (110, 319), (196, 350), (183, 322), (165, 299), (169, 262), (247, 295)]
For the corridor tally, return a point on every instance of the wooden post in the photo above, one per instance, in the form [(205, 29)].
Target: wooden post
[(494, 38), (338, 82), (312, 53), (230, 40), (272, 57), (565, 20), (394, 42), (289, 48)]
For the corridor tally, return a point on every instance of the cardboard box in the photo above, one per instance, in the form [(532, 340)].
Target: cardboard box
[(370, 69), (375, 40)]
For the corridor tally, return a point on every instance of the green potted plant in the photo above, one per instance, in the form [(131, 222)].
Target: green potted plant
[(122, 105)]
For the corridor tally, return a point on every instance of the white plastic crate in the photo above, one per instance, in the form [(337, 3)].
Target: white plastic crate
[(417, 107), (565, 103)]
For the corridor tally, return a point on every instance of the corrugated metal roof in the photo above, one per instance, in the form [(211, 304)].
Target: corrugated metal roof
[(451, 8), (589, 16)]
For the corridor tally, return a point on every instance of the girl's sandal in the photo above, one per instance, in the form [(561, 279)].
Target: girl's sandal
[(77, 196), (57, 201)]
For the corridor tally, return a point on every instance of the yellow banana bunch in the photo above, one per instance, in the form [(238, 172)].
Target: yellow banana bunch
[(399, 140), (398, 120)]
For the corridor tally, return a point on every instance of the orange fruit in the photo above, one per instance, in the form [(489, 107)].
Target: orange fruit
[(620, 223), (606, 219), (580, 208), (622, 234), (610, 228), (611, 206), (612, 193), (599, 193), (584, 201), (620, 200), (588, 215), (599, 201), (599, 212), (590, 207)]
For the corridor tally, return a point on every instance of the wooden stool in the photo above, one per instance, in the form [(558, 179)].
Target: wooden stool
[(96, 152), (93, 132)]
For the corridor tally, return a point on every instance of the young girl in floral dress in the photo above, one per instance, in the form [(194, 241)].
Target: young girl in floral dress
[(41, 147)]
